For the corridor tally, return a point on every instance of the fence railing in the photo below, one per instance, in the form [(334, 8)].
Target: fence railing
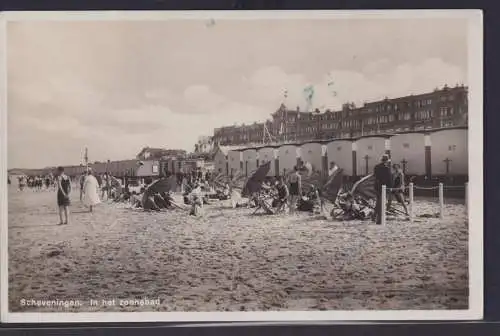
[(411, 188)]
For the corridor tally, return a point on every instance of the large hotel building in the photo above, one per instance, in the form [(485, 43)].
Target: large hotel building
[(442, 108)]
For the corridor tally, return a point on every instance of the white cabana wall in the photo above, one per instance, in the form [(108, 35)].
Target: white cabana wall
[(234, 159), (287, 158), (374, 147), (453, 145), (340, 152), (267, 154), (411, 148), (148, 168), (249, 160), (311, 152)]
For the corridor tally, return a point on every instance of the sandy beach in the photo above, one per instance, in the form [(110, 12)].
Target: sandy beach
[(229, 260)]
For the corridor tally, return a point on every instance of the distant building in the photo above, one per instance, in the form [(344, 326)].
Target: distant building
[(148, 153), (442, 108), (204, 145)]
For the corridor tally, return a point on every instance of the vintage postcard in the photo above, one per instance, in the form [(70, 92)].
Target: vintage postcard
[(241, 166)]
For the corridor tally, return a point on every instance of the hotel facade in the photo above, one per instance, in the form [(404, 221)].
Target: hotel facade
[(441, 108)]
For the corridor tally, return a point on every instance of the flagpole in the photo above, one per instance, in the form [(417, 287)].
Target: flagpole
[(86, 158), (285, 117)]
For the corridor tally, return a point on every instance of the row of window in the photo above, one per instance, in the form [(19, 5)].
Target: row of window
[(423, 115), (446, 111), (426, 114), (308, 131), (387, 107)]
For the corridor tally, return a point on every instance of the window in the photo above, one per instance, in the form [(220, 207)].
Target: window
[(339, 148), (406, 145), (370, 147), (452, 148)]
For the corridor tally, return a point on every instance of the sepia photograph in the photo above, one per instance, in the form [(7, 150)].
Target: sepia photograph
[(243, 166)]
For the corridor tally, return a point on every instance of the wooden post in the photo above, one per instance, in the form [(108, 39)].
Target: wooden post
[(428, 162), (403, 163), (447, 162), (383, 205), (410, 192), (441, 201), (354, 164), (366, 164)]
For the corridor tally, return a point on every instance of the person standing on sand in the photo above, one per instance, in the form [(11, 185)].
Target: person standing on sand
[(81, 182), (398, 188), (283, 195), (63, 192), (295, 189), (91, 191), (383, 176)]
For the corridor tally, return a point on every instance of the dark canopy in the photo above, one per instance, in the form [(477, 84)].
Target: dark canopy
[(254, 183)]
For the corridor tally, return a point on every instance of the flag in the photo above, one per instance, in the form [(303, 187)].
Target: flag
[(309, 94)]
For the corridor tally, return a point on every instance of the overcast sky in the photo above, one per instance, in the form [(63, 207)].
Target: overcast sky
[(116, 87)]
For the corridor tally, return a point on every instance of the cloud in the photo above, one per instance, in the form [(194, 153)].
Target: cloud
[(118, 86), (339, 86)]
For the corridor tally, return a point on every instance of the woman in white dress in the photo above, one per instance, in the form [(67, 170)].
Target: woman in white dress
[(91, 191)]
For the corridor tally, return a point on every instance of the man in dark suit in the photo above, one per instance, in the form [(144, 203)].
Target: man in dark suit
[(383, 176)]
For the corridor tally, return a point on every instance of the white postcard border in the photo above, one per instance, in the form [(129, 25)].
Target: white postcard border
[(475, 137)]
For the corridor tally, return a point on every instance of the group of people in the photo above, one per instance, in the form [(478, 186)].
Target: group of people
[(287, 194), (392, 177), (195, 176), (35, 183), (89, 192), (152, 201)]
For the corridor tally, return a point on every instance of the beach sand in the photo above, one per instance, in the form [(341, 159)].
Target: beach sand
[(229, 260)]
